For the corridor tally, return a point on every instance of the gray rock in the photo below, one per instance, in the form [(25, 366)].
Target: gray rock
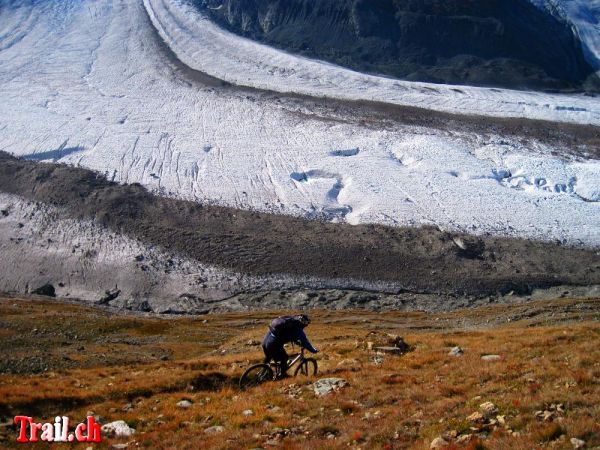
[(118, 429), (214, 430), (438, 442), (325, 386), (248, 413), (184, 404), (389, 350), (456, 351), (109, 295), (577, 443), (491, 358)]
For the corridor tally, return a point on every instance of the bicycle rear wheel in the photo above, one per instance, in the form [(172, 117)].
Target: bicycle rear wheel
[(307, 368), (255, 375)]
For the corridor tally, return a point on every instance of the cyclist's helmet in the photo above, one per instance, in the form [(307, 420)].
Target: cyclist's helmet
[(304, 319)]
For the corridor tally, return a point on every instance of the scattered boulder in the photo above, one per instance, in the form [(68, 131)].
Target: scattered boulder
[(476, 417), (378, 360), (456, 351), (326, 386), (464, 439), (488, 409), (119, 446), (550, 413), (184, 404), (217, 429), (46, 290), (109, 295), (118, 429), (389, 350), (577, 443), (253, 343), (390, 344), (491, 358), (247, 413), (439, 442)]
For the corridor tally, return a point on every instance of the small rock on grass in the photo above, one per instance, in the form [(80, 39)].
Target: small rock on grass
[(325, 386), (476, 417), (214, 430), (118, 428), (248, 413), (438, 442), (488, 409), (184, 404), (577, 443), (491, 358), (456, 351)]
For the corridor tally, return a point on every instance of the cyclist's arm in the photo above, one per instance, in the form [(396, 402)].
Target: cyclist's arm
[(301, 337)]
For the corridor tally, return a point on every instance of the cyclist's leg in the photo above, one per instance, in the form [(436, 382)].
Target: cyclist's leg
[(281, 357)]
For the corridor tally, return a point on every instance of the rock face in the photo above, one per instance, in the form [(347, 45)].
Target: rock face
[(508, 43)]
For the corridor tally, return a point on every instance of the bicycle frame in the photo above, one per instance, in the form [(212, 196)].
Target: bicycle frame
[(291, 361), (298, 357)]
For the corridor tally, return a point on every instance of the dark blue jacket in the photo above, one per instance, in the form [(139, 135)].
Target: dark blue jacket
[(294, 335)]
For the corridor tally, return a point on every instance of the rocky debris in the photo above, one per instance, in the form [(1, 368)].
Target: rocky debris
[(184, 404), (46, 290), (378, 359), (278, 434), (464, 439), (552, 412), (577, 443), (326, 386), (247, 413), (109, 295), (119, 446), (387, 343), (470, 248), (490, 358), (476, 417), (487, 419), (389, 350), (456, 351), (217, 429), (292, 390), (488, 409), (439, 442), (253, 343), (117, 429), (127, 407)]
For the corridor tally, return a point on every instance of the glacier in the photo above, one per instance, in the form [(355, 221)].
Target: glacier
[(90, 83)]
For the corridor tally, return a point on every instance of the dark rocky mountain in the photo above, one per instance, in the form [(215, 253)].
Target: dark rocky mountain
[(504, 43)]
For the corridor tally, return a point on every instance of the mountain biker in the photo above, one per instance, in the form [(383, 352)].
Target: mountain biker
[(282, 330)]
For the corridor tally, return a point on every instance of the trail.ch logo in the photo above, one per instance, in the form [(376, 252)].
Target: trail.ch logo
[(88, 431)]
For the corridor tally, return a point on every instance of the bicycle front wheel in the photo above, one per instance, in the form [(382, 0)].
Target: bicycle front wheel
[(256, 375), (307, 368)]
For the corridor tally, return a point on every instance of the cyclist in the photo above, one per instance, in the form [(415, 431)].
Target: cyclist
[(282, 330)]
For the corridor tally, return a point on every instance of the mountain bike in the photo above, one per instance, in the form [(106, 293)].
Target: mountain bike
[(261, 373)]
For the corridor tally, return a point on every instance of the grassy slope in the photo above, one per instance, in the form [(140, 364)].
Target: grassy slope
[(100, 361)]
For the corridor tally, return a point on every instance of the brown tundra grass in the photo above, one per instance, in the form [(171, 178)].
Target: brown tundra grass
[(67, 359)]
